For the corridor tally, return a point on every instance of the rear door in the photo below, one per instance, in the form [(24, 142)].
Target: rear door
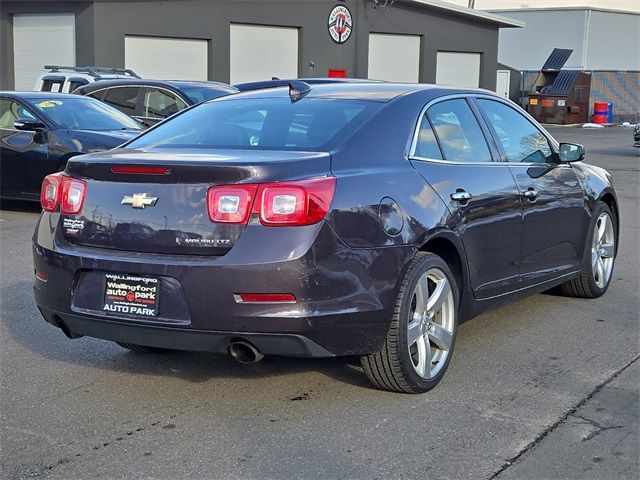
[(554, 217), (125, 99), (451, 152)]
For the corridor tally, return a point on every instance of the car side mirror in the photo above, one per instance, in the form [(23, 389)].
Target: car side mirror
[(571, 152), (29, 125)]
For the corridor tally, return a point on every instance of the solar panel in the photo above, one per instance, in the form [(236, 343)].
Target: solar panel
[(563, 83), (557, 59)]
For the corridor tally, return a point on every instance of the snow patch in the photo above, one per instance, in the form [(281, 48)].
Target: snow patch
[(592, 125)]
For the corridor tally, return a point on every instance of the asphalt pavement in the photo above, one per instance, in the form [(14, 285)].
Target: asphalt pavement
[(544, 388)]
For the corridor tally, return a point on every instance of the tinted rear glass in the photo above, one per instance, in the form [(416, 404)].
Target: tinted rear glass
[(200, 94), (262, 124)]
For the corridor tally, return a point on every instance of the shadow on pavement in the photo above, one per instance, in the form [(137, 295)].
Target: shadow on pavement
[(29, 329)]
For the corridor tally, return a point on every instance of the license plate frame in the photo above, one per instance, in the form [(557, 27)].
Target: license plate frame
[(129, 294)]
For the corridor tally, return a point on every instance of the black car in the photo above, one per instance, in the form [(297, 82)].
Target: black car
[(40, 131), (151, 101), (636, 135), (345, 219)]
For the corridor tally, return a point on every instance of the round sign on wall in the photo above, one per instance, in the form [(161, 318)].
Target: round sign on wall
[(340, 24)]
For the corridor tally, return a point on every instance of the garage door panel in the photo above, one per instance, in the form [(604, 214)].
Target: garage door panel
[(39, 40), (167, 58), (261, 52), (458, 69), (394, 58)]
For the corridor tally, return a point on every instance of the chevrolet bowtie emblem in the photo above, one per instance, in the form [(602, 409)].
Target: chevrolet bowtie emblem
[(139, 200)]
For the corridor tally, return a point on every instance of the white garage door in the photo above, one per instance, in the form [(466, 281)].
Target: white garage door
[(395, 58), (39, 40), (260, 53), (458, 69), (167, 58)]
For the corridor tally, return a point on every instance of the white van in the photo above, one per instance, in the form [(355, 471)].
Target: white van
[(58, 78)]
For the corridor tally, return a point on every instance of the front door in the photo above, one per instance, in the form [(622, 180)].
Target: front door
[(452, 154), (18, 150), (553, 211)]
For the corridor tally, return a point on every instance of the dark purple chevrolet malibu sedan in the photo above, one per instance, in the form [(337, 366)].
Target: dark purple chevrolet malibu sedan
[(345, 219)]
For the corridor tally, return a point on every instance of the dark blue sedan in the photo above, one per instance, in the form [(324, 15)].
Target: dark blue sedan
[(325, 220), (40, 131)]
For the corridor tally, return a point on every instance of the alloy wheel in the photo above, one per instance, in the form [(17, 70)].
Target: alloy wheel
[(431, 323), (602, 250)]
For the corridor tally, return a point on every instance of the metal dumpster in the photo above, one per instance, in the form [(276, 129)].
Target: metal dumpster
[(560, 96)]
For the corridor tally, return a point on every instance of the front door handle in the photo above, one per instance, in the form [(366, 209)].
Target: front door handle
[(531, 194), (461, 196)]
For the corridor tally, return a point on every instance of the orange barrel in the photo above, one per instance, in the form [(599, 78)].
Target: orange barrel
[(600, 110)]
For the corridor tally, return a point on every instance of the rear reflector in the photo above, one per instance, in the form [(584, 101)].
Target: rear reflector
[(137, 170), (41, 276), (265, 298)]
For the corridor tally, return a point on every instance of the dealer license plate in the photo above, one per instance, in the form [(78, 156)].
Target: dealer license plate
[(131, 294)]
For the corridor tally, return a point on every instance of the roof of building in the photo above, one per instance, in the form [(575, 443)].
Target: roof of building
[(490, 17), (562, 9)]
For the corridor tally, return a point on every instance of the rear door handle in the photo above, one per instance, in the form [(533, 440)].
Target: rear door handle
[(461, 196), (531, 194)]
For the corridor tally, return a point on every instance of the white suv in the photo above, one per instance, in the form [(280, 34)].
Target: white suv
[(62, 79)]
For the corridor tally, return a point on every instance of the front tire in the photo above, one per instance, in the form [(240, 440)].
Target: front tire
[(419, 344), (599, 257)]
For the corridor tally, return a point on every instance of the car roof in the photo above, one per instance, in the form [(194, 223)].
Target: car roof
[(277, 82), (175, 84), (373, 91), (39, 95)]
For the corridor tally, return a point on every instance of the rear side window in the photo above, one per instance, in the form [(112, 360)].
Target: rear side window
[(76, 83), (314, 124), (426, 143), (160, 104), (123, 98), (520, 139), (52, 84), (458, 132)]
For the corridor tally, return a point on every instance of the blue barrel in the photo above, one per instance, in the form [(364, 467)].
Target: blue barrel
[(609, 112)]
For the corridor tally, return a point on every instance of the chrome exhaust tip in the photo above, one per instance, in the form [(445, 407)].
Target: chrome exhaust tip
[(244, 352)]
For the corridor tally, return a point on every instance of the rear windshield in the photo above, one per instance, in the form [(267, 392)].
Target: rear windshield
[(312, 124), (200, 94)]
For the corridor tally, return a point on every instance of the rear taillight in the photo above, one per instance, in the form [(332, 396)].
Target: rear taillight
[(50, 192), (67, 192), (230, 203), (303, 202), (294, 203), (73, 193)]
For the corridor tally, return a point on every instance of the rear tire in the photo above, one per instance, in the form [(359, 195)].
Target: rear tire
[(599, 257), (419, 344), (141, 348)]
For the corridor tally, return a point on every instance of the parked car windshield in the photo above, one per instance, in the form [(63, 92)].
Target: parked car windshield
[(82, 113), (313, 124)]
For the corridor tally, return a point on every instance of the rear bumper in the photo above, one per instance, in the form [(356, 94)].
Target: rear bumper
[(290, 345), (345, 297)]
